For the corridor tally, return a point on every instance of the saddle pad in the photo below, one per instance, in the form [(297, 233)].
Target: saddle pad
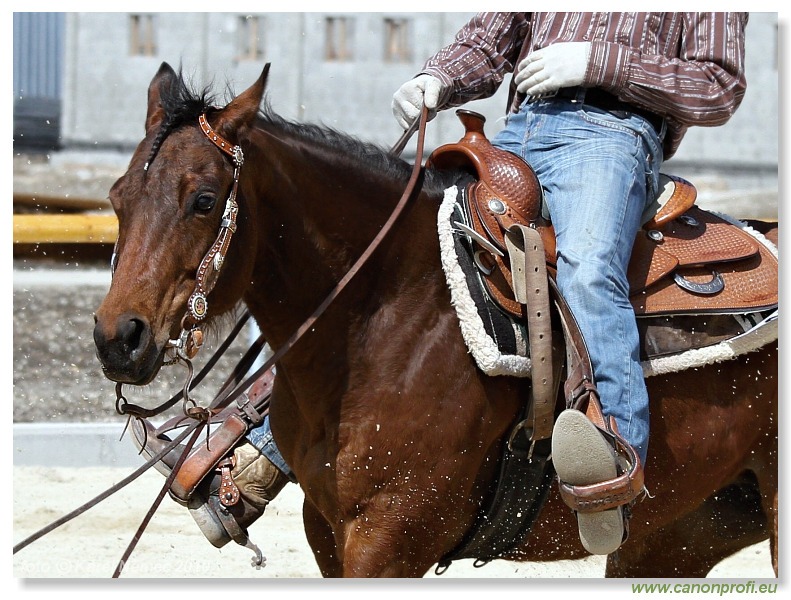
[(498, 343)]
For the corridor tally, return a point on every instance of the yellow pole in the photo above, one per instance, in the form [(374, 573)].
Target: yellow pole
[(64, 229)]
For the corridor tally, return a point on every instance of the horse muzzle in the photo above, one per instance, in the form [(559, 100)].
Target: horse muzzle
[(127, 349)]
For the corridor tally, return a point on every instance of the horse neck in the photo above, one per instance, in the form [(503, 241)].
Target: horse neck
[(317, 213)]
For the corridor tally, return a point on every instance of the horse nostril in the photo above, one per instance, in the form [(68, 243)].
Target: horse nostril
[(131, 334), (126, 348)]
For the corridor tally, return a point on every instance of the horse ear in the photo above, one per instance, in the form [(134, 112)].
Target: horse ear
[(164, 79), (242, 110)]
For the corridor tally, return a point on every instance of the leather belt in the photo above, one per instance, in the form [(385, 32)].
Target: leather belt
[(598, 98)]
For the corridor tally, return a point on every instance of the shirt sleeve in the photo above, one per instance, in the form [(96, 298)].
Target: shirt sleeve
[(474, 65), (704, 85)]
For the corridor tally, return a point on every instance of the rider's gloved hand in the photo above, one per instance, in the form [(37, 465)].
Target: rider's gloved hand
[(411, 96), (557, 66)]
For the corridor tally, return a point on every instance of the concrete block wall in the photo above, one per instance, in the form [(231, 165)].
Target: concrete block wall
[(105, 87)]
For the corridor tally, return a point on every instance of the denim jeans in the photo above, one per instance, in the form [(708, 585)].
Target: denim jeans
[(261, 438), (598, 171)]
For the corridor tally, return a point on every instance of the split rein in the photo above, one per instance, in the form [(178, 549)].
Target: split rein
[(191, 339)]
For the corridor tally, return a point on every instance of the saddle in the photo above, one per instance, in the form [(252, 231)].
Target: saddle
[(685, 261)]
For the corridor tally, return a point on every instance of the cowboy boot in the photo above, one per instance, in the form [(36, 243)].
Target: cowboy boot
[(247, 480), (596, 481), (223, 515)]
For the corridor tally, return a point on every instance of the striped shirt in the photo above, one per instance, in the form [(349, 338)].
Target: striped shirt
[(685, 67)]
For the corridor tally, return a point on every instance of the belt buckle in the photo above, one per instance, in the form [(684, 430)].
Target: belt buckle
[(544, 96)]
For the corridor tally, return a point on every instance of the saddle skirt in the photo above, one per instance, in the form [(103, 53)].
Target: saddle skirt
[(700, 282)]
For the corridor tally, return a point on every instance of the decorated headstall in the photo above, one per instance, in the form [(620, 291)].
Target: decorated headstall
[(190, 341)]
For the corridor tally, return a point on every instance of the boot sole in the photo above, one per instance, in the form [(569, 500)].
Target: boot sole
[(582, 456)]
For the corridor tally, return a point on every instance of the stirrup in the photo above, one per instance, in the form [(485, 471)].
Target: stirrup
[(620, 490), (599, 478), (224, 515), (222, 509), (221, 524)]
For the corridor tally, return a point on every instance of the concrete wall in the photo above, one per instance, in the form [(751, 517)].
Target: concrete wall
[(105, 88)]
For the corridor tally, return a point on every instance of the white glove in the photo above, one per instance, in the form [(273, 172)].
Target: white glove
[(557, 66), (410, 97)]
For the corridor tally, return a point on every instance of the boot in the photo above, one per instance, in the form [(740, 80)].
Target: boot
[(251, 482), (596, 481)]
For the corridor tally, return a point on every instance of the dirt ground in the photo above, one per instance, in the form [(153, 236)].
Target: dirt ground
[(172, 547)]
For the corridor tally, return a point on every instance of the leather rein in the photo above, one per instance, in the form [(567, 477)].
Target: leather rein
[(191, 338)]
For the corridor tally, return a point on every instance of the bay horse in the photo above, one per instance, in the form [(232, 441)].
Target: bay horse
[(392, 431)]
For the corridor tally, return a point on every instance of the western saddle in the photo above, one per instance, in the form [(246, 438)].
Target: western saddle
[(685, 260)]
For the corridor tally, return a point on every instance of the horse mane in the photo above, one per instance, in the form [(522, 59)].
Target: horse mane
[(183, 104), (366, 155)]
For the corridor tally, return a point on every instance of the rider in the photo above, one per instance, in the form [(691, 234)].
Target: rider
[(598, 100)]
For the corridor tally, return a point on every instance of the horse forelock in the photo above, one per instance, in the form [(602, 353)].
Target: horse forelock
[(181, 104)]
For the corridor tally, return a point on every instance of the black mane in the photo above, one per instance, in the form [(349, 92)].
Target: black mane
[(337, 143), (366, 154), (182, 104)]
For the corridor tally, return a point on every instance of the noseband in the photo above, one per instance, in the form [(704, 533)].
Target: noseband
[(190, 341)]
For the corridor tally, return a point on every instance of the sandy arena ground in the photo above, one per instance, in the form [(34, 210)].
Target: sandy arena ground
[(172, 547)]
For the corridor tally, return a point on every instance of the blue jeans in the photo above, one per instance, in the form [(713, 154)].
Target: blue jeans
[(261, 438), (598, 171)]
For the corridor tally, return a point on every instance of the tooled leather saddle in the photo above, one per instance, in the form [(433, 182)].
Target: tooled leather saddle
[(685, 260)]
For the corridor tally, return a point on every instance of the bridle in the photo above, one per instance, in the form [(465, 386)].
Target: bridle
[(191, 338), (189, 342)]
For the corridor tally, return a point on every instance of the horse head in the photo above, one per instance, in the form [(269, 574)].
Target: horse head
[(173, 223)]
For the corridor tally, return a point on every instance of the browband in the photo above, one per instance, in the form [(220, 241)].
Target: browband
[(232, 150)]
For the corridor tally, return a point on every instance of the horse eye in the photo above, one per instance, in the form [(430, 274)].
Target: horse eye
[(205, 202)]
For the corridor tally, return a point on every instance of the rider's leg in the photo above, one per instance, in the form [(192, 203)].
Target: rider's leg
[(261, 438), (598, 171)]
